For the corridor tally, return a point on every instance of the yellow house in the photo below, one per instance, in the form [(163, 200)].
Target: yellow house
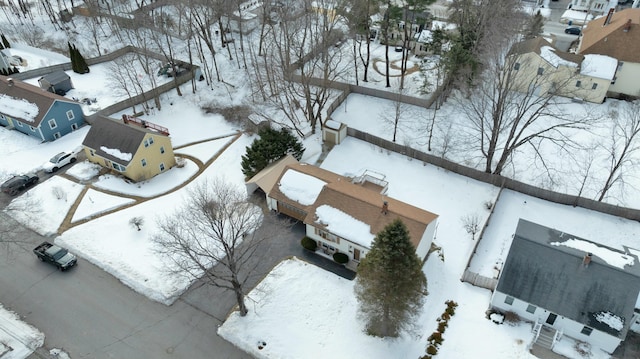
[(135, 148), (538, 68)]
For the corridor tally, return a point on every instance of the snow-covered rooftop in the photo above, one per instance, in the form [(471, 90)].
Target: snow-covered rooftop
[(424, 36), (300, 187), (549, 54), (600, 66), (344, 225), (613, 258), (117, 153), (442, 25), (610, 319), (18, 108)]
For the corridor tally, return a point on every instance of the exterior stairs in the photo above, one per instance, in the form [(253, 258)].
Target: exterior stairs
[(545, 338)]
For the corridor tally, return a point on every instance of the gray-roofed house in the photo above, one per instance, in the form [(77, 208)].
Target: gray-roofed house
[(31, 110), (57, 82), (135, 148), (569, 286)]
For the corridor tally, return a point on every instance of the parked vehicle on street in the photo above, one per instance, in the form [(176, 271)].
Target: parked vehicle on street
[(55, 255), (19, 183), (58, 161), (572, 30)]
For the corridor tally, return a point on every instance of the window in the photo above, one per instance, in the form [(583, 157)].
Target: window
[(614, 80), (56, 135), (33, 129), (74, 126), (508, 300), (18, 123), (531, 308), (328, 236), (161, 149), (52, 124), (144, 162), (70, 115), (540, 71), (516, 66), (578, 83), (594, 86), (586, 331), (118, 167), (92, 152), (162, 167), (148, 142)]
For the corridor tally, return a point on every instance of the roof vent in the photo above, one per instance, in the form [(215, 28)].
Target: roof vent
[(627, 26), (10, 81), (586, 260), (385, 207)]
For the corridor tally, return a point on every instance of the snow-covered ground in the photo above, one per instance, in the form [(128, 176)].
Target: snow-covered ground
[(17, 339), (320, 307)]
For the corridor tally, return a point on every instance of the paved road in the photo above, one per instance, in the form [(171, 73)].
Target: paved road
[(91, 314)]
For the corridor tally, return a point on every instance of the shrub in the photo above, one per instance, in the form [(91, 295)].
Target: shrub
[(309, 243), (340, 257), (450, 310), (445, 316), (436, 338), (432, 350), (511, 317), (442, 326)]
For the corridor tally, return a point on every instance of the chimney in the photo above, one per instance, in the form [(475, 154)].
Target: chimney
[(10, 81), (586, 260), (607, 20), (385, 207), (627, 26)]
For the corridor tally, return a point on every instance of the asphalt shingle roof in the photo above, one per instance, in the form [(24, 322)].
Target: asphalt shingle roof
[(554, 278)]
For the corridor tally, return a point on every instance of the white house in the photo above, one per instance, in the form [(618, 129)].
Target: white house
[(340, 214), (569, 286)]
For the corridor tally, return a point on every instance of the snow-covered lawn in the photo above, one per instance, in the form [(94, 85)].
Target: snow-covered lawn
[(17, 338)]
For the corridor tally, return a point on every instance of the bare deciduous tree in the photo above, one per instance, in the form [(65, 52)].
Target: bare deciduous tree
[(471, 224), (511, 108), (622, 146), (219, 235)]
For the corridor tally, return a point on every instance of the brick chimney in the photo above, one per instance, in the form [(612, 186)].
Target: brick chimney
[(385, 207), (10, 81), (607, 20), (627, 26), (586, 260)]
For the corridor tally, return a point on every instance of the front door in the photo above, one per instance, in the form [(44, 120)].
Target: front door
[(356, 254), (551, 319)]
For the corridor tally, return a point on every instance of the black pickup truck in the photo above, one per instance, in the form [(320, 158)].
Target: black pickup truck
[(55, 255)]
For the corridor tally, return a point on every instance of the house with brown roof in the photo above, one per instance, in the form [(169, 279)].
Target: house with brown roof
[(36, 112), (342, 214), (617, 35), (135, 148), (537, 67)]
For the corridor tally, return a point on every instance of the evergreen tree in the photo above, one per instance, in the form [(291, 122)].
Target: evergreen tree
[(72, 57), (1, 46), (5, 42), (83, 67), (391, 286), (534, 26), (270, 147)]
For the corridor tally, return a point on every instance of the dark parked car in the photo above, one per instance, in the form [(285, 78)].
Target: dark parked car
[(572, 30), (18, 183), (55, 255)]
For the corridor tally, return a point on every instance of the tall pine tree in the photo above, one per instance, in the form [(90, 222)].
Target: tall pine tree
[(270, 147), (391, 286)]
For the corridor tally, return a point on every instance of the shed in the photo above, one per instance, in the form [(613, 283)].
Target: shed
[(57, 82), (334, 132)]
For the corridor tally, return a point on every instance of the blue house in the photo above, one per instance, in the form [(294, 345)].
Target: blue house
[(29, 109)]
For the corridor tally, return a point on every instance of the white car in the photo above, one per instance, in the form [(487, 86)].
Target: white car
[(60, 160)]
